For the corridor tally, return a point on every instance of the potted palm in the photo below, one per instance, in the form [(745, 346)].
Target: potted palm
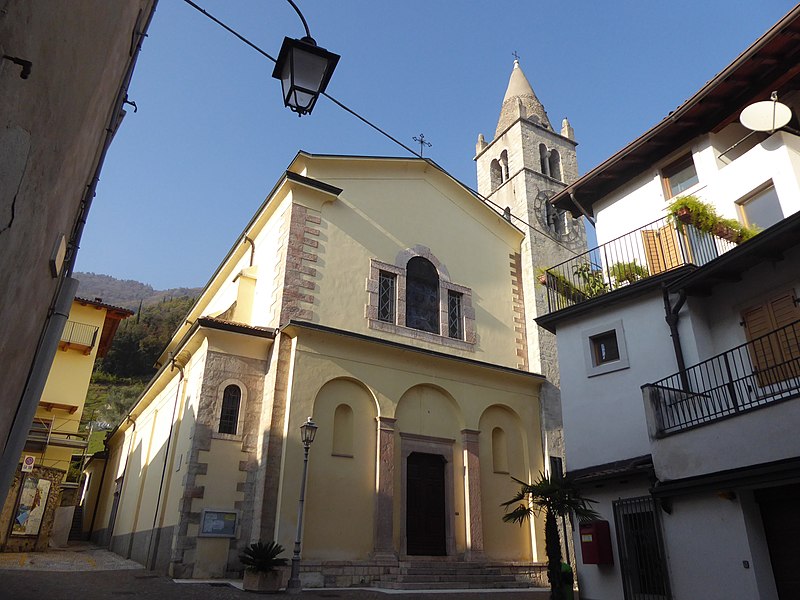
[(556, 497), (261, 563)]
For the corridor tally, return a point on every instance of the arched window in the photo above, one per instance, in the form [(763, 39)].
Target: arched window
[(229, 414), (555, 165), (495, 174), (343, 431), (422, 295), (499, 451), (504, 164), (543, 162)]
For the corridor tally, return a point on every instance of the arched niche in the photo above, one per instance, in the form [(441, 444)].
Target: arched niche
[(341, 484), (502, 431)]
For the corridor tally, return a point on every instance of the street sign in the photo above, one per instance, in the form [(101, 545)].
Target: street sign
[(27, 463)]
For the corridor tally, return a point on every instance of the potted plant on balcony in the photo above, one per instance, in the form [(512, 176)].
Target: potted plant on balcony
[(261, 563), (690, 210), (627, 272)]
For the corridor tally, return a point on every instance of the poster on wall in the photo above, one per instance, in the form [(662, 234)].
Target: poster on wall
[(218, 523), (30, 507)]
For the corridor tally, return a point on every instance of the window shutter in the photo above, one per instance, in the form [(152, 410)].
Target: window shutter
[(661, 249), (775, 357), (785, 312)]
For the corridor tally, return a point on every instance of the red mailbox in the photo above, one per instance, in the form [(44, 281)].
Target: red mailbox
[(596, 543)]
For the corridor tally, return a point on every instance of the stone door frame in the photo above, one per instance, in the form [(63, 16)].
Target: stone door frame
[(409, 443)]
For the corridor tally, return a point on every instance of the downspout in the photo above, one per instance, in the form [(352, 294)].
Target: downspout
[(152, 551), (672, 320), (252, 248), (580, 208)]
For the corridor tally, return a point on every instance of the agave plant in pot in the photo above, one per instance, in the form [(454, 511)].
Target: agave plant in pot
[(261, 563)]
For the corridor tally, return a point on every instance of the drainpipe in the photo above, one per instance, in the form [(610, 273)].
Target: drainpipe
[(247, 240), (672, 320), (155, 536), (580, 208)]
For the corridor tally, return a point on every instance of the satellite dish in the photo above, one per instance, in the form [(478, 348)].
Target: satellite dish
[(768, 115)]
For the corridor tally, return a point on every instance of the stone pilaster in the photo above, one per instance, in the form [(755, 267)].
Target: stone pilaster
[(472, 494), (384, 503)]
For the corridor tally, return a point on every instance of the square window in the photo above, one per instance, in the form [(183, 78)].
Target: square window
[(761, 209), (679, 176), (604, 348)]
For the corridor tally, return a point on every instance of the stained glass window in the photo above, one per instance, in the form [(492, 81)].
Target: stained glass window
[(422, 295)]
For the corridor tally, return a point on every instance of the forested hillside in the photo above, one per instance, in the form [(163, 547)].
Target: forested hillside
[(126, 292)]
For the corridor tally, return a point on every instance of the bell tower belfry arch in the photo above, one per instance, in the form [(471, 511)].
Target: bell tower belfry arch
[(521, 168)]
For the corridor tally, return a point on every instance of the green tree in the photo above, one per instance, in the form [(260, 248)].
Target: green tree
[(556, 497)]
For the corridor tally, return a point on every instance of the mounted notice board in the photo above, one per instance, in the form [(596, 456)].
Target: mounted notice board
[(218, 523)]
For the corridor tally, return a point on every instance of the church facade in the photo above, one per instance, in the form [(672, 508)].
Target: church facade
[(386, 301)]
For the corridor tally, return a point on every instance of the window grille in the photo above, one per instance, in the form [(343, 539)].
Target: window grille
[(386, 296), (641, 549), (229, 414), (454, 316)]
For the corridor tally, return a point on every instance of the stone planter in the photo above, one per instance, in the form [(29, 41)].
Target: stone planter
[(264, 582)]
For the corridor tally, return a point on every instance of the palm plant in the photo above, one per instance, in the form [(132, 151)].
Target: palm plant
[(261, 557), (556, 497)]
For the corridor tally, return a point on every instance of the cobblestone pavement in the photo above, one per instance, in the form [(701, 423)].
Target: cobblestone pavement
[(89, 573)]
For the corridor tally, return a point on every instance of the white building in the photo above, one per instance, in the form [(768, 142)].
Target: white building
[(679, 354)]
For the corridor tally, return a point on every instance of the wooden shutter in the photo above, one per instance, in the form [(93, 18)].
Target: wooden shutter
[(775, 355), (661, 249)]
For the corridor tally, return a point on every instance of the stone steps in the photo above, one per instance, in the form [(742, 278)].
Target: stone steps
[(443, 574)]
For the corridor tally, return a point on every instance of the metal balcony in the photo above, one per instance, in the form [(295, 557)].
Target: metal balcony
[(758, 373), (652, 249)]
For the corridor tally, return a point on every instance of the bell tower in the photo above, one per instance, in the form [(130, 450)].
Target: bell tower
[(521, 168)]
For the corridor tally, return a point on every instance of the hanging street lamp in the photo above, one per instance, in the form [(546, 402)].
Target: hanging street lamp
[(304, 70)]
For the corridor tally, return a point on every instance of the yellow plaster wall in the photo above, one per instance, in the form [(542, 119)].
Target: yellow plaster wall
[(220, 493), (388, 208), (433, 397), (503, 541), (67, 383), (340, 505)]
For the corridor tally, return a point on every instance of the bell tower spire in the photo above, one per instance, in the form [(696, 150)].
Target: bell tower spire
[(525, 164)]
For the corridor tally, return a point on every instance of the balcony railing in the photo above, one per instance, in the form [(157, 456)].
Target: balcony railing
[(78, 335), (655, 248), (761, 372)]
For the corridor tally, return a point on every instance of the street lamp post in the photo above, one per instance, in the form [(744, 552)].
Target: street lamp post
[(307, 432)]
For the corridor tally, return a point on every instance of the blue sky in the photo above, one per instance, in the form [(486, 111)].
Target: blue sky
[(211, 135)]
